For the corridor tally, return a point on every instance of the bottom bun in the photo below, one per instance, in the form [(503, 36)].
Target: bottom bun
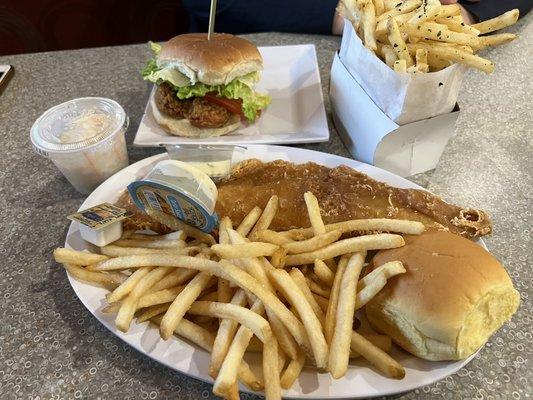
[(182, 127)]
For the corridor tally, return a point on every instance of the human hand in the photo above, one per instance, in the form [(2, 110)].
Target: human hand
[(467, 17)]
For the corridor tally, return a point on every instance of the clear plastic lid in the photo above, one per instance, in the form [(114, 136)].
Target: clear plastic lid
[(214, 160), (77, 124)]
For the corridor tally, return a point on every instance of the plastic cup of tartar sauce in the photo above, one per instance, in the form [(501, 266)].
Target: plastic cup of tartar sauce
[(84, 138)]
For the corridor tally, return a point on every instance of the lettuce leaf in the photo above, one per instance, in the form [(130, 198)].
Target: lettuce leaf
[(170, 75), (240, 88), (155, 47)]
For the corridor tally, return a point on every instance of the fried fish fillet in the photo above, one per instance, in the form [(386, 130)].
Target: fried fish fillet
[(343, 194)]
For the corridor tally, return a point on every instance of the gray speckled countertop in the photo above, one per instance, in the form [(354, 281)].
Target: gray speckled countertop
[(52, 347)]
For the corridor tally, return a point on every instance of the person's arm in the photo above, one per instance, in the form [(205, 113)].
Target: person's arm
[(482, 10), (244, 16)]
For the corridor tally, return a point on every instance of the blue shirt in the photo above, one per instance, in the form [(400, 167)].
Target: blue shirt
[(245, 16)]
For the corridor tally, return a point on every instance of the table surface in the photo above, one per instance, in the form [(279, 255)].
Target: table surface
[(52, 347)]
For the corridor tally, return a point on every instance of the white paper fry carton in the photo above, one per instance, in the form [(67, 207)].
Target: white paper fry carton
[(399, 122), (404, 98)]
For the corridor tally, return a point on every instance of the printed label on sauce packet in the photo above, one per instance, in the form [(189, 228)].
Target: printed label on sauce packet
[(155, 196), (100, 216)]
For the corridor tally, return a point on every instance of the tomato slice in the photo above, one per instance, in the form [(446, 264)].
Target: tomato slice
[(232, 105)]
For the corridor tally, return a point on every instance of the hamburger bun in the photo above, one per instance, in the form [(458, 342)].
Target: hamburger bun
[(452, 298), (182, 127), (214, 62)]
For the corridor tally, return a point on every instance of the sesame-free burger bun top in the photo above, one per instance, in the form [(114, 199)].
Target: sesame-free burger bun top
[(452, 298), (214, 62)]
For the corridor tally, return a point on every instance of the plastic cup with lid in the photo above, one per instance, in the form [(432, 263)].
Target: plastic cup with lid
[(85, 139)]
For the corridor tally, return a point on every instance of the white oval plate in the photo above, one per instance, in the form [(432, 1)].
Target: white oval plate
[(360, 381)]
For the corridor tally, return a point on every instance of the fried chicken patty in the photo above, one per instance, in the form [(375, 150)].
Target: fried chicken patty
[(167, 102), (204, 114), (198, 111)]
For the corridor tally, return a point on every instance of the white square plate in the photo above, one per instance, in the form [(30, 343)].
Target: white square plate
[(296, 114)]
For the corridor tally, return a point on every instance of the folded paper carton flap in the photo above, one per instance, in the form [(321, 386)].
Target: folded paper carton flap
[(374, 138), (403, 97), (415, 147), (360, 120)]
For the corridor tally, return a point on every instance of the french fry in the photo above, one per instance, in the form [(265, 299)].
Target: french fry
[(317, 289), (453, 54), (324, 273), (256, 269), (339, 354), (399, 46), (381, 27), (266, 217), (322, 302), (418, 68), (151, 244), (117, 251), (225, 224), (177, 235), (271, 369), (457, 26), (427, 11), (224, 294), (249, 221), (503, 21), (376, 356), (351, 245), (152, 311), (242, 250), (401, 8), (279, 258), (203, 338), (175, 278), (331, 312), (181, 304), (313, 210), (211, 296), (400, 66), (368, 293), (449, 10), (284, 282), (436, 63), (421, 56), (106, 279), (440, 35), (368, 23), (379, 7), (299, 280), (317, 242), (73, 257), (227, 375), (128, 285), (382, 342), (389, 55), (250, 264), (159, 297), (495, 40), (129, 305), (253, 321), (177, 225), (225, 334), (273, 237), (390, 4), (292, 371), (388, 270)]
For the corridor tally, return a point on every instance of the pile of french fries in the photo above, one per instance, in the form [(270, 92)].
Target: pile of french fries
[(291, 295), (420, 36)]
